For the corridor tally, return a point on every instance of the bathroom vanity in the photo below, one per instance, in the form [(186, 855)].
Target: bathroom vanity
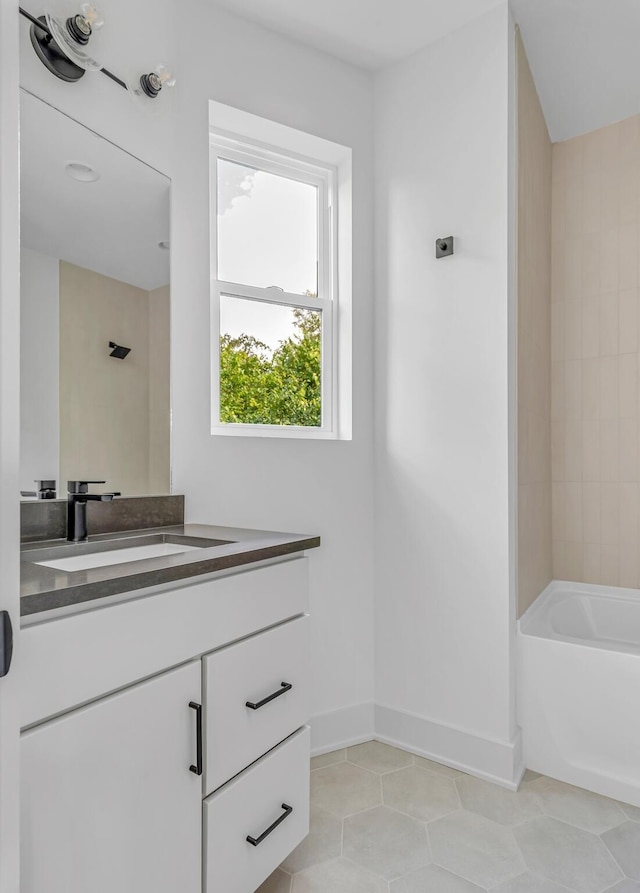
[(164, 745)]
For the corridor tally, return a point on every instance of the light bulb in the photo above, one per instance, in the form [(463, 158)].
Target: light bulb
[(93, 15), (82, 25), (153, 82)]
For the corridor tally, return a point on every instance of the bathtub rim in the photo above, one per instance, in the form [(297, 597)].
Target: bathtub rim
[(534, 622)]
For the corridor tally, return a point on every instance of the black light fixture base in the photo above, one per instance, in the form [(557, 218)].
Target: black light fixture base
[(51, 56), (74, 28)]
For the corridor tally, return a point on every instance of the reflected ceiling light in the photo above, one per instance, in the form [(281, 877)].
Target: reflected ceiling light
[(83, 172)]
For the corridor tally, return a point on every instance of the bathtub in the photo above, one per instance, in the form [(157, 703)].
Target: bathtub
[(578, 687)]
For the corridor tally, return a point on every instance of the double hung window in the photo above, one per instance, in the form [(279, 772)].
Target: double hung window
[(274, 293)]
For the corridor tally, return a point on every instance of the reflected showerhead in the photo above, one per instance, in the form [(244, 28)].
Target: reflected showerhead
[(118, 352)]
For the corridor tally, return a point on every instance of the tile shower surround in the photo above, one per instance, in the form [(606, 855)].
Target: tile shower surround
[(534, 341), (385, 821), (595, 356)]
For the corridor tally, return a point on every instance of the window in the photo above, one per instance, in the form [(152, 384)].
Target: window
[(274, 292)]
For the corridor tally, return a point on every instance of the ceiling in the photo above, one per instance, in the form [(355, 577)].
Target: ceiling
[(584, 54), (585, 60), (111, 226), (367, 33)]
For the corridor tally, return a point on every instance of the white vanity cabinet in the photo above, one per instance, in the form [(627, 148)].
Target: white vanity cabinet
[(108, 801), (109, 798)]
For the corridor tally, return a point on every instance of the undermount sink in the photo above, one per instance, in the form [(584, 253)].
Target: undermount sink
[(103, 553)]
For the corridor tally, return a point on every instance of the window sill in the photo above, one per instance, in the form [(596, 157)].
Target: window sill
[(260, 431)]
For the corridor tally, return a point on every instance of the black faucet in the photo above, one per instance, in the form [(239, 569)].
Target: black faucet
[(77, 508)]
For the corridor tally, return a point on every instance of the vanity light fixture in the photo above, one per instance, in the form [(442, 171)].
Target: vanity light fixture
[(118, 351), (61, 45), (82, 172)]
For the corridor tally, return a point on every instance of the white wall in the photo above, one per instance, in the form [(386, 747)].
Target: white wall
[(299, 485), (39, 368), (443, 598), (444, 609), (315, 487), (10, 693)]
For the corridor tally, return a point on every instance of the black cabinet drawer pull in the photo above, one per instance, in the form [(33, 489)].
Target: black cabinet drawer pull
[(197, 769), (284, 687), (256, 841)]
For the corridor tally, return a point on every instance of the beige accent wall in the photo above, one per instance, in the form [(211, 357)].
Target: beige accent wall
[(595, 356), (113, 421), (159, 391), (534, 341)]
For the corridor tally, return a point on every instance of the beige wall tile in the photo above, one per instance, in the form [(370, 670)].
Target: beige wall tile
[(573, 450), (591, 564), (609, 324), (591, 388), (573, 513), (628, 445), (591, 513), (609, 387), (628, 320), (573, 329), (590, 451), (609, 451), (628, 566), (573, 388), (536, 332), (590, 326), (629, 185), (628, 371), (629, 514), (573, 561), (596, 299), (610, 514), (592, 200), (609, 260), (609, 564), (628, 257)]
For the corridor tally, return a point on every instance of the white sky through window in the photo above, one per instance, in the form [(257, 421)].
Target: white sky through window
[(267, 236)]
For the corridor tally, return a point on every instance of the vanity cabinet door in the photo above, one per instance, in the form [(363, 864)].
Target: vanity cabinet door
[(108, 799)]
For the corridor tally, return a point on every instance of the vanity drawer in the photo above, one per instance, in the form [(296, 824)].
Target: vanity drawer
[(253, 671), (250, 805)]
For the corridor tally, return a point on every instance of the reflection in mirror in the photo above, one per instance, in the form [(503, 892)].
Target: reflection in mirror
[(94, 310)]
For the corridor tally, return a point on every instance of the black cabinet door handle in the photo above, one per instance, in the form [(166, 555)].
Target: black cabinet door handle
[(256, 841), (197, 769), (284, 687), (6, 642)]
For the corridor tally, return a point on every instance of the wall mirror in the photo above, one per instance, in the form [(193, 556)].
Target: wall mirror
[(94, 297)]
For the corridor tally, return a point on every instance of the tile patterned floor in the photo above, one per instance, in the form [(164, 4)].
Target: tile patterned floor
[(384, 821)]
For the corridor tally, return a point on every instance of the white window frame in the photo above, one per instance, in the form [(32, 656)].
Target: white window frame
[(324, 178)]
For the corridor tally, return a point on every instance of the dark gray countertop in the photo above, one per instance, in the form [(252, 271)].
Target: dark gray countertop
[(45, 588)]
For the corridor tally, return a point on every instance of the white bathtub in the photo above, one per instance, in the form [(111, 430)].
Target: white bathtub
[(579, 687)]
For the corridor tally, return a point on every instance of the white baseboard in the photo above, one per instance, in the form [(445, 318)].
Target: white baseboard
[(342, 728), (495, 761)]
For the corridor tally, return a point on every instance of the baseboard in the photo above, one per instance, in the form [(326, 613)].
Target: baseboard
[(342, 728), (495, 761)]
